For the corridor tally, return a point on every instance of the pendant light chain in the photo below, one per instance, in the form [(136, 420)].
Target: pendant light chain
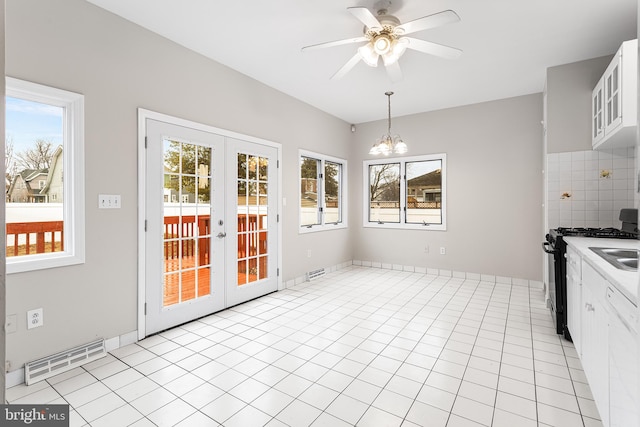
[(389, 110), (389, 144)]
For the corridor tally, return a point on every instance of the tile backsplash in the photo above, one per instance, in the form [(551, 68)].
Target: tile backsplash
[(588, 188)]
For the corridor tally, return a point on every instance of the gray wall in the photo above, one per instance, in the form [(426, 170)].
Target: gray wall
[(569, 89), (119, 67), (494, 189), (494, 168)]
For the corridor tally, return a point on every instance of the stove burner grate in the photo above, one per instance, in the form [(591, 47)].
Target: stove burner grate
[(596, 232)]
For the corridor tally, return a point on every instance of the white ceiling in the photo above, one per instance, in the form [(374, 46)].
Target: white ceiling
[(507, 46)]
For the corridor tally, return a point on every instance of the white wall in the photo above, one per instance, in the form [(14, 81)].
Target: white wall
[(494, 189), (120, 67)]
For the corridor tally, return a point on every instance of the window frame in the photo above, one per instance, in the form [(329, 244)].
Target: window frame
[(73, 166), (342, 193), (402, 224)]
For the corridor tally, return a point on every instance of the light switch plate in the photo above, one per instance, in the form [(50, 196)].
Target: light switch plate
[(109, 201)]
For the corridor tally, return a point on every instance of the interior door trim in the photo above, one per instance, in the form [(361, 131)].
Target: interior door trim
[(143, 115)]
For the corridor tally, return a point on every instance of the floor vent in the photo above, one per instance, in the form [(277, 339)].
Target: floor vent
[(312, 275), (55, 364)]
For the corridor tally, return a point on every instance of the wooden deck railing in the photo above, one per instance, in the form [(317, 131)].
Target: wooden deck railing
[(48, 236), (185, 233), (24, 238)]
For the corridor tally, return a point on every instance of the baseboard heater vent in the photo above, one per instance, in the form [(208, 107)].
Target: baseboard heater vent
[(55, 364), (312, 275)]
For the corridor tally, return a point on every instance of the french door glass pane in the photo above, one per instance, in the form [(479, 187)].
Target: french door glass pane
[(252, 218), (187, 230), (424, 192), (384, 192)]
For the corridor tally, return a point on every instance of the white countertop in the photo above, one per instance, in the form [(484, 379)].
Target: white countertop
[(625, 281)]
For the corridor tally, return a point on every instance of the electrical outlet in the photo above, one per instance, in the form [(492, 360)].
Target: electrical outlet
[(308, 253), (426, 249), (35, 318), (443, 251)]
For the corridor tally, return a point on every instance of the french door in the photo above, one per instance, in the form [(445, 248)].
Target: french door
[(211, 238), (252, 211)]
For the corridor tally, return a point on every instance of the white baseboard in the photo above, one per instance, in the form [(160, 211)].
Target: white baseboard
[(532, 284)]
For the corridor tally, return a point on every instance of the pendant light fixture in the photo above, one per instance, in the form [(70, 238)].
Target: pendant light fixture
[(389, 144)]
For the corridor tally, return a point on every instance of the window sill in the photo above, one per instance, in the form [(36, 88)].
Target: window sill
[(317, 228), (26, 263), (395, 226)]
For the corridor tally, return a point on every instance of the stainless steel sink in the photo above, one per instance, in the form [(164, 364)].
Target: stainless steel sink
[(623, 259)]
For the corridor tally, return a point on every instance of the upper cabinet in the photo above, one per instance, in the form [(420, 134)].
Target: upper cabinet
[(615, 101)]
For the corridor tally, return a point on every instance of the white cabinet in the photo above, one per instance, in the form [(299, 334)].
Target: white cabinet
[(614, 101), (595, 338), (600, 308), (624, 361), (574, 297), (597, 113)]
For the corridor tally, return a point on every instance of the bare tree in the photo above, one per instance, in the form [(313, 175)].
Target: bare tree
[(9, 166), (384, 182), (37, 157)]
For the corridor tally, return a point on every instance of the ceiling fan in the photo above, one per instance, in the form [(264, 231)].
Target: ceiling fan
[(386, 38)]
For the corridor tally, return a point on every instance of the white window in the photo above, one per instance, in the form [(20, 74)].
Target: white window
[(407, 192), (323, 192), (45, 131)]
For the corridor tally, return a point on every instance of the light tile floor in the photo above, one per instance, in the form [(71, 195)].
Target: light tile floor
[(360, 346)]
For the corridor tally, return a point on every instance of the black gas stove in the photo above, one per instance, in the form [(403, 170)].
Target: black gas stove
[(611, 233), (556, 247)]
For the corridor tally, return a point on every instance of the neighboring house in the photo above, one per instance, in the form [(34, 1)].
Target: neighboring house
[(171, 186), (53, 188), (39, 186), (7, 185), (426, 188), (27, 187), (309, 185), (309, 191)]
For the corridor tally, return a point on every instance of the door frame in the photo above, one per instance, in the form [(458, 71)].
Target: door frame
[(143, 115)]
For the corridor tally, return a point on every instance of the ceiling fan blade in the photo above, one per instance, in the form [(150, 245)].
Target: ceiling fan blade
[(426, 22), (346, 67), (394, 72), (434, 48), (334, 43), (365, 16)]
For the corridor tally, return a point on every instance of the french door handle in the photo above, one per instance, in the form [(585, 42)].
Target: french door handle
[(221, 235)]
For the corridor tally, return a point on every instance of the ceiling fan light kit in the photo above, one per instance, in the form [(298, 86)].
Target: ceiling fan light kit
[(369, 55), (385, 38), (388, 144)]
